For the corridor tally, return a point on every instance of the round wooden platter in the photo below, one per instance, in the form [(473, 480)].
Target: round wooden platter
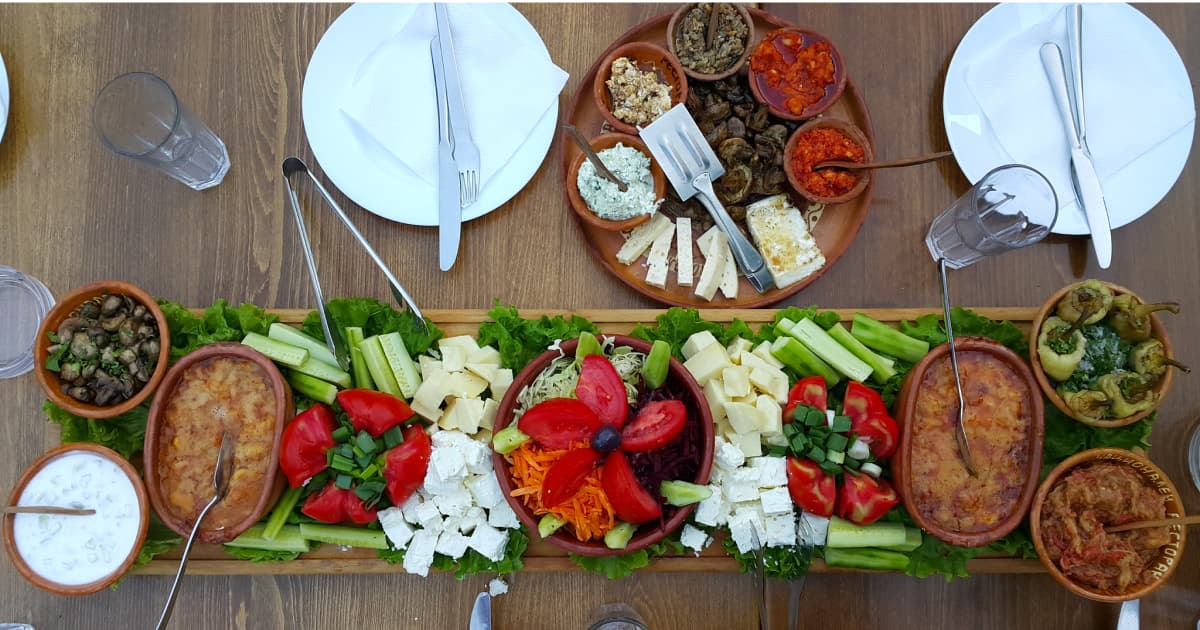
[(837, 228)]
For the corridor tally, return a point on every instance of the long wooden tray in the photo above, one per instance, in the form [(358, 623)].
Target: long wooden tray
[(542, 557)]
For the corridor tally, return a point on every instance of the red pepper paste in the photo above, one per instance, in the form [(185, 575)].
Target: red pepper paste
[(822, 145), (790, 73)]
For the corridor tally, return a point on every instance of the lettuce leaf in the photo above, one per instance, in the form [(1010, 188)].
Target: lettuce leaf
[(781, 563), (375, 318), (520, 340), (124, 433), (220, 322), (473, 562), (261, 555), (967, 323), (617, 567), (677, 324), (1065, 437), (159, 539)]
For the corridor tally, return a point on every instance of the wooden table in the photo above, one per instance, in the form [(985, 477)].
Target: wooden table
[(73, 213)]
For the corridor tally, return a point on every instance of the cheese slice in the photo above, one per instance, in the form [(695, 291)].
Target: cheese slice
[(715, 259), (729, 279), (657, 262), (683, 250), (780, 233), (642, 237), (705, 240)]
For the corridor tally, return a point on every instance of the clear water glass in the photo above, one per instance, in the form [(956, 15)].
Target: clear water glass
[(138, 116), (1011, 207), (616, 616), (24, 302)]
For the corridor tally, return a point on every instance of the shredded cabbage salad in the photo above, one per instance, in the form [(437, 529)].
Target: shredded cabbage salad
[(558, 380)]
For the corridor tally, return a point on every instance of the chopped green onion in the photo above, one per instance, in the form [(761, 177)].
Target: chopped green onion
[(393, 437), (343, 481), (341, 434), (837, 442), (368, 472), (841, 424), (365, 442), (831, 467), (369, 490), (816, 454), (342, 463), (346, 451)]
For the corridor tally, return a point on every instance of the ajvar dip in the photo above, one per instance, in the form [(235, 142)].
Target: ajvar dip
[(824, 144), (793, 71)]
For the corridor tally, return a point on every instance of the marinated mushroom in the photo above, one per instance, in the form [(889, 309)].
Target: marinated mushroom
[(105, 352)]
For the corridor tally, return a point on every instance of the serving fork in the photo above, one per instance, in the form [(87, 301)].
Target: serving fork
[(466, 154)]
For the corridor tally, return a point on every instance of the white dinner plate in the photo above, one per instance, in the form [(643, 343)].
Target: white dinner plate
[(4, 98), (361, 168), (1131, 192)]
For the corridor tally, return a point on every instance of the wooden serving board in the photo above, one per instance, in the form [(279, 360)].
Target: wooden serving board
[(542, 557)]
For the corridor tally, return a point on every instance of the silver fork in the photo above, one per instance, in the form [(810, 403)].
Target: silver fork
[(466, 154)]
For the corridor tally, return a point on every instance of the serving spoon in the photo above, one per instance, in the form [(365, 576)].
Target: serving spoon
[(1161, 522), (863, 166), (594, 157), (221, 476)]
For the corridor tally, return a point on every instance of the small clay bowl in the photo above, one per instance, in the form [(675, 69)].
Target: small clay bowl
[(648, 58), (648, 533), (677, 20), (50, 381), (906, 454), (284, 411), (10, 544), (1157, 331), (775, 102), (854, 133), (1169, 555), (581, 208)]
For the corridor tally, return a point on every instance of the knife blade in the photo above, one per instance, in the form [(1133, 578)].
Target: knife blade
[(449, 211), (461, 126), (1129, 617), (1083, 171), (481, 612)]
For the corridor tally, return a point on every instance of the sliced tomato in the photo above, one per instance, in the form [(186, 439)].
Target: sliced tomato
[(327, 505), (813, 489), (559, 423), (879, 431), (602, 390), (629, 499), (864, 499), (405, 464), (656, 424), (304, 442), (356, 511), (861, 401), (566, 475), (809, 391), (374, 411)]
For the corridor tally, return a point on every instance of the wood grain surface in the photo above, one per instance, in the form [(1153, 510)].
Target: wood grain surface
[(73, 213)]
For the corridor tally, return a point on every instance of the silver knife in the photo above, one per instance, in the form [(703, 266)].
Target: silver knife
[(481, 612), (449, 211), (1128, 618), (1083, 170)]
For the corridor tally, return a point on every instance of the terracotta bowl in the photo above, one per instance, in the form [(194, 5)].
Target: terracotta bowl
[(61, 311), (677, 20), (647, 57), (284, 411), (832, 92), (648, 533), (1166, 561), (904, 458), (10, 544), (581, 208), (1157, 331), (854, 133)]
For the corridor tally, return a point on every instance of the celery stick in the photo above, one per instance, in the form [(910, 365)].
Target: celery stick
[(291, 336), (822, 345), (344, 536), (277, 351), (795, 355), (881, 367), (312, 387), (377, 363), (288, 538), (279, 514), (883, 338), (358, 363), (873, 559)]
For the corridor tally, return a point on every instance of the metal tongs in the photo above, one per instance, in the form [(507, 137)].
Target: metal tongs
[(960, 429), (334, 337)]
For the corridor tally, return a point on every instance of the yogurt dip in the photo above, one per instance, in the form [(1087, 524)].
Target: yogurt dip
[(76, 550)]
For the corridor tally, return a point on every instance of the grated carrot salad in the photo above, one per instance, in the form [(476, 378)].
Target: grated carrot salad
[(588, 512)]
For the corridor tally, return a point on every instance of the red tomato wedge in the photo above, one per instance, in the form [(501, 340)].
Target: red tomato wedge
[(405, 464), (374, 411), (864, 500), (861, 401), (813, 489), (656, 424), (334, 505), (559, 423), (809, 391), (602, 390), (629, 499), (356, 511), (879, 431), (566, 475), (304, 442)]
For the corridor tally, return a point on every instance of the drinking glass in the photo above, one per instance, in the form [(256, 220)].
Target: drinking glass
[(616, 616), (1011, 207), (24, 301), (137, 115)]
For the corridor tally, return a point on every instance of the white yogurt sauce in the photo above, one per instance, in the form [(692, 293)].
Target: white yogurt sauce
[(72, 550)]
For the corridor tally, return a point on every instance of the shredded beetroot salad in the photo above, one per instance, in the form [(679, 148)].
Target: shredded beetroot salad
[(679, 460)]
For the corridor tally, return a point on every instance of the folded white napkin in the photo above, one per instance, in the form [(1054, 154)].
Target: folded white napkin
[(1131, 105), (508, 83)]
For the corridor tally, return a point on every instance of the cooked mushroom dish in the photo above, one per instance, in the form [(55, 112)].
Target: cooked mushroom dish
[(106, 351)]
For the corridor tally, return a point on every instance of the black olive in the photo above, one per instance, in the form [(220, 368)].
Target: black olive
[(606, 440)]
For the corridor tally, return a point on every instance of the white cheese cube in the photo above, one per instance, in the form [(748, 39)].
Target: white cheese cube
[(738, 492), (781, 530), (657, 261), (726, 455), (742, 417), (449, 439), (717, 476), (427, 365), (453, 504), (452, 524), (693, 538), (410, 508), (451, 543), (488, 541), (486, 490), (749, 443), (713, 272), (500, 384), (707, 364), (454, 358), (696, 343), (484, 355), (776, 501), (419, 556), (448, 464), (488, 419), (772, 471), (770, 381), (729, 278), (781, 234), (395, 527), (642, 237), (738, 346), (708, 509), (813, 529), (478, 457), (501, 516), (429, 517), (747, 475), (484, 371), (464, 385), (683, 249), (705, 240), (497, 587), (763, 351), (714, 395), (736, 380), (429, 397), (474, 516), (740, 526), (770, 414)]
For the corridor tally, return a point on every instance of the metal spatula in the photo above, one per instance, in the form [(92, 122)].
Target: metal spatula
[(691, 166)]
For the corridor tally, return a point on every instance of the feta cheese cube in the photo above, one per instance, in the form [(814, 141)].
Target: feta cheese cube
[(742, 417), (449, 439), (419, 556), (813, 529), (740, 526), (781, 530), (448, 464), (693, 538), (772, 471), (736, 492), (708, 509), (502, 517), (497, 587), (435, 486), (486, 490), (776, 501), (474, 516), (746, 475), (451, 543), (696, 343), (736, 380), (395, 527), (488, 419), (428, 516), (727, 455), (410, 508), (488, 541), (453, 504), (478, 458), (717, 476)]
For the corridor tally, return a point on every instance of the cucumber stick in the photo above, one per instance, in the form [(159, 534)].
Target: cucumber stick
[(404, 370), (912, 540), (883, 338), (358, 365), (548, 525), (291, 336), (832, 352), (377, 364), (324, 371), (657, 364), (288, 538), (873, 559), (312, 387), (882, 368), (795, 355), (588, 344), (279, 514), (681, 493), (344, 536), (843, 533), (277, 351), (618, 537)]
